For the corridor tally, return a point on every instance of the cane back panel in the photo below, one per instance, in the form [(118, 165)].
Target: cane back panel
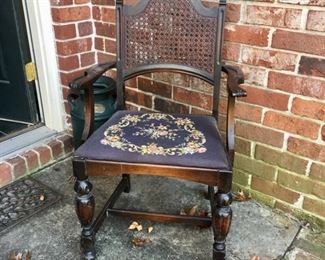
[(170, 32)]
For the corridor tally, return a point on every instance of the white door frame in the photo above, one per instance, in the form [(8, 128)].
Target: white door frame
[(44, 50)]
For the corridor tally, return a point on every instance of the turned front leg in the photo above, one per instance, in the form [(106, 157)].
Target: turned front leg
[(221, 221), (85, 208)]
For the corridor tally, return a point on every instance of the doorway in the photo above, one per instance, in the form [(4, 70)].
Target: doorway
[(19, 109)]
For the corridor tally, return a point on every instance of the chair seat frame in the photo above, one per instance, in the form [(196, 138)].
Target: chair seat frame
[(220, 200)]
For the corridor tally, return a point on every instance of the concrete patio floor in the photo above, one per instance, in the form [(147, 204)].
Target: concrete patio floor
[(256, 229)]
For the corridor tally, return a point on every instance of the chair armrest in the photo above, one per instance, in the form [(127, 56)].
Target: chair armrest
[(86, 83), (235, 78), (91, 75)]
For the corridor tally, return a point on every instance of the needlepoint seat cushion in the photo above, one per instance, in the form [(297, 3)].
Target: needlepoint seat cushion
[(156, 138)]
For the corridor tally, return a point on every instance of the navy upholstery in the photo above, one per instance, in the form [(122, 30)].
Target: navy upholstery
[(156, 138)]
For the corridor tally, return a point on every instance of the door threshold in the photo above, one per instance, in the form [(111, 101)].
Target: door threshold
[(24, 141)]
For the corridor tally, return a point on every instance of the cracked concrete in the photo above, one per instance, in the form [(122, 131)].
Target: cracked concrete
[(54, 233)]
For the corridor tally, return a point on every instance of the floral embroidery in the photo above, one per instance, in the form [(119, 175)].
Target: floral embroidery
[(156, 127)]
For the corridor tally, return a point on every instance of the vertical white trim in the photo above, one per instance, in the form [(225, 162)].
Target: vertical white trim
[(43, 41)]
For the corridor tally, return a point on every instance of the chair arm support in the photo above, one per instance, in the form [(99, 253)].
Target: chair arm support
[(235, 78), (91, 75), (86, 83)]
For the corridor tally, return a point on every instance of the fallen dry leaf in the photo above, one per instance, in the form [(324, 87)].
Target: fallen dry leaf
[(139, 227), (137, 241), (255, 257), (20, 256), (135, 225), (150, 229), (29, 255), (241, 196), (42, 197), (194, 211)]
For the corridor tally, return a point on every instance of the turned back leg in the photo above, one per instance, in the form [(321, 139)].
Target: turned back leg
[(85, 208), (221, 221)]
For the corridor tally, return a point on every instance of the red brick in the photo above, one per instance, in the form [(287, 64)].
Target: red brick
[(5, 174), (304, 2), (198, 84), (99, 44), (231, 51), (233, 12), (248, 112), (131, 83), (316, 20), (19, 166), (168, 106), (108, 15), (317, 172), (273, 16), (78, 2), (69, 63), (254, 75), (56, 148), (301, 42), (105, 29), (155, 87), (298, 85), (198, 111), (193, 98), (105, 57), (87, 59), (61, 2), (255, 167), (74, 46), (67, 143), (67, 78), (64, 32), (139, 98), (85, 28), (266, 98), (246, 34), (32, 160), (177, 79), (291, 124), (314, 205), (301, 184), (308, 108), (96, 12), (274, 190), (242, 146), (269, 59), (110, 46), (103, 2), (307, 149), (259, 134), (323, 133), (70, 14), (312, 66), (281, 159), (44, 154)]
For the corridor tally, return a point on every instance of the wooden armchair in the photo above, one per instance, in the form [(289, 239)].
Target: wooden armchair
[(159, 35)]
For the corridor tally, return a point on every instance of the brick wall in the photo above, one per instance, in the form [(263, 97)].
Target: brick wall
[(33, 159), (280, 45)]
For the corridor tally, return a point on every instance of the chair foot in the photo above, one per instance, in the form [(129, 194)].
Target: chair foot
[(87, 244), (128, 185), (221, 221)]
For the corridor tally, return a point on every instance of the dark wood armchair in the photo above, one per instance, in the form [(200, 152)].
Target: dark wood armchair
[(160, 35)]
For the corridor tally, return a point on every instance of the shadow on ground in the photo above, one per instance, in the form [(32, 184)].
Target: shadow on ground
[(54, 233)]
